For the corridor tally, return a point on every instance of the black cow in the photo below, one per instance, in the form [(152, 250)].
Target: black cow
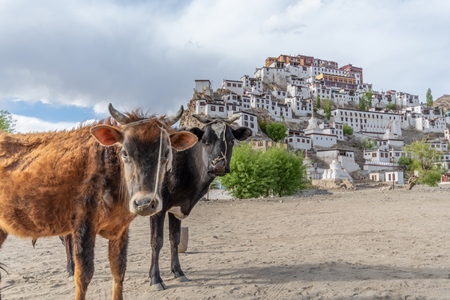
[(192, 172)]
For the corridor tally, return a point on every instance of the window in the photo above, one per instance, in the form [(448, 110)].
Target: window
[(213, 108), (221, 108)]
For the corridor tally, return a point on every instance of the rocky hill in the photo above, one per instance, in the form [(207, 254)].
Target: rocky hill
[(443, 101)]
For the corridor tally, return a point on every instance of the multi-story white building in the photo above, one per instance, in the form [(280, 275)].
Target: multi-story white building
[(386, 155), (251, 83), (318, 137), (246, 119), (297, 140), (368, 122), (299, 107), (423, 118), (235, 86), (211, 108)]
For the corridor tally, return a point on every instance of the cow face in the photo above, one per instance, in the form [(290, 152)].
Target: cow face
[(217, 141), (146, 153)]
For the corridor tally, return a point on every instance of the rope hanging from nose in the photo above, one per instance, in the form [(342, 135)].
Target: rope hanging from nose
[(223, 156), (169, 161)]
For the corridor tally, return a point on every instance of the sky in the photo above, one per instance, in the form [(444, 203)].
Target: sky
[(62, 62)]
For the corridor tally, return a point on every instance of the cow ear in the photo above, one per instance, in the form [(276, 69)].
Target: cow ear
[(197, 131), (183, 140), (107, 135), (242, 133)]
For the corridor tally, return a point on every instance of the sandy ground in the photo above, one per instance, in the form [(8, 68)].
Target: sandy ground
[(363, 244)]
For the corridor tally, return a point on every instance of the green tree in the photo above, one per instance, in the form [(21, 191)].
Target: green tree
[(318, 101), (347, 129), (276, 131), (368, 143), (365, 101), (327, 108), (391, 106), (425, 160), (404, 162), (263, 126), (249, 177), (7, 123), (429, 98), (288, 172), (255, 173)]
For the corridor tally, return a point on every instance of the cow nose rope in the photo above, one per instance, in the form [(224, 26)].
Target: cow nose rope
[(223, 156), (169, 160)]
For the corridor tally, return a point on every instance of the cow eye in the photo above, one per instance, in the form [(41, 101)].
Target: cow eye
[(205, 141), (124, 154)]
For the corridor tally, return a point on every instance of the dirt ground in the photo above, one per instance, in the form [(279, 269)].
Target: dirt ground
[(363, 244)]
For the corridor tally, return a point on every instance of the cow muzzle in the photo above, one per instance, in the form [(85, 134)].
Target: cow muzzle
[(219, 168), (145, 204)]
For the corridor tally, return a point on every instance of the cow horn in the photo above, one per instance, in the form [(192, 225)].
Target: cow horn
[(201, 118), (175, 117), (117, 115), (232, 119)]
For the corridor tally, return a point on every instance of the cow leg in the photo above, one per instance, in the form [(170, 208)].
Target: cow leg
[(84, 243), (157, 238), (174, 231), (117, 254), (3, 236), (67, 241)]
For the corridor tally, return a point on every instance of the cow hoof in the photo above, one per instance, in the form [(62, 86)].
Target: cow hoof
[(70, 278), (182, 279), (158, 286)]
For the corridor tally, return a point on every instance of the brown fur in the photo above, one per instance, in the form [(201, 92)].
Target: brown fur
[(60, 183)]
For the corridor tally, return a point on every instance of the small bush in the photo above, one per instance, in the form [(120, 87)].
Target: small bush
[(347, 129), (255, 173)]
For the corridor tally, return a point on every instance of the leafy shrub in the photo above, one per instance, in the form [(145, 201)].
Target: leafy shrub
[(276, 131), (255, 173), (391, 106), (347, 129)]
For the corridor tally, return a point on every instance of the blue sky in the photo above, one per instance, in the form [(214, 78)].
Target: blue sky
[(62, 62)]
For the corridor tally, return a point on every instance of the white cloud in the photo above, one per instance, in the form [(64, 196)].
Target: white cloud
[(29, 124)]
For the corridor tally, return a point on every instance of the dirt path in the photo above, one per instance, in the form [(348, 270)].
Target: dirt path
[(348, 245)]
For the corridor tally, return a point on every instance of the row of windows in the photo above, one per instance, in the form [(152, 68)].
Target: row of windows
[(386, 155), (363, 115), (307, 141), (234, 84)]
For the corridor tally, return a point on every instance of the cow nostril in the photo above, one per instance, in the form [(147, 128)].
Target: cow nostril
[(153, 206)]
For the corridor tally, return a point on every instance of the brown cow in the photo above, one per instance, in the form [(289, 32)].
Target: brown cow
[(60, 183)]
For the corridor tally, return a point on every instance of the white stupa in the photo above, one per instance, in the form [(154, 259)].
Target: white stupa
[(336, 172), (313, 125)]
